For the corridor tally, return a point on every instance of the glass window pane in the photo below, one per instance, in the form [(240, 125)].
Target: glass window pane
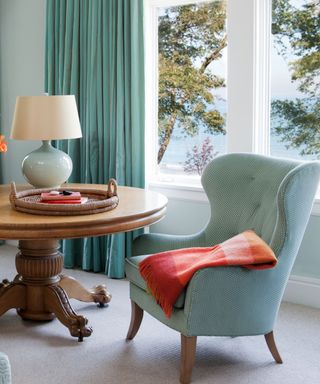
[(295, 90), (192, 87)]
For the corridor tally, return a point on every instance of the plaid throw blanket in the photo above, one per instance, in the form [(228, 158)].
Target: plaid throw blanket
[(168, 273)]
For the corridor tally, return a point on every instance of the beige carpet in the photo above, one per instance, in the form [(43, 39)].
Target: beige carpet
[(45, 353)]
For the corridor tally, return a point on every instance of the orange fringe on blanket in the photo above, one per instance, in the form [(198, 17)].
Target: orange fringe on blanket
[(168, 273)]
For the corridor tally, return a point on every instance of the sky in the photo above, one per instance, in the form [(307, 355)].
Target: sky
[(281, 84)]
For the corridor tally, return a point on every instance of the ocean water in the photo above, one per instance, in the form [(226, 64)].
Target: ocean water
[(180, 144)]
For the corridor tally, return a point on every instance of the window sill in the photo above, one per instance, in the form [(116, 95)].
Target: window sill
[(181, 192), (196, 193)]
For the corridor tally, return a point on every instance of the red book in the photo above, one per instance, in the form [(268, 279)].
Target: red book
[(79, 201), (46, 196)]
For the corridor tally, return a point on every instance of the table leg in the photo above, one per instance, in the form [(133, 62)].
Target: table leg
[(75, 290), (12, 295), (35, 291), (57, 301)]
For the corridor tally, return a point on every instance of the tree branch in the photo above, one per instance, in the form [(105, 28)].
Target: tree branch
[(214, 55)]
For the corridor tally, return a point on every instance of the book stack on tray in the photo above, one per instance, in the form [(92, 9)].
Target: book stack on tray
[(64, 197)]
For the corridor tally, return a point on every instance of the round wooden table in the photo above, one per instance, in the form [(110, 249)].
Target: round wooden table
[(39, 291)]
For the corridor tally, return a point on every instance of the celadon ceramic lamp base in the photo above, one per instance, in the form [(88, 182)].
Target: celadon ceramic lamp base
[(46, 118), (47, 167)]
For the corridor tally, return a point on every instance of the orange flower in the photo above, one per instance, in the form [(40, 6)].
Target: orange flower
[(3, 144)]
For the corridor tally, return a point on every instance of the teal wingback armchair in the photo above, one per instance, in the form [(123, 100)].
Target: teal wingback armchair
[(5, 371), (271, 196)]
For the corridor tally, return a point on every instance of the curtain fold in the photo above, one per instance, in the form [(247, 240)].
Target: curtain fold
[(94, 50)]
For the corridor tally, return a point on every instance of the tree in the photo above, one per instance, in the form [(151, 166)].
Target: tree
[(190, 39), (297, 32), (199, 157)]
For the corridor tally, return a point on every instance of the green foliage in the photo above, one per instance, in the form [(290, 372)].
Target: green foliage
[(190, 38), (298, 123), (297, 32), (301, 28), (199, 157)]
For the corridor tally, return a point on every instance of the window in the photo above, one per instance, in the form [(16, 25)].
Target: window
[(186, 49), (295, 79), (241, 100), (246, 94), (191, 87)]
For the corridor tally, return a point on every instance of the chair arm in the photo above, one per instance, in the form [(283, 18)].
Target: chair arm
[(215, 297), (5, 371), (154, 242)]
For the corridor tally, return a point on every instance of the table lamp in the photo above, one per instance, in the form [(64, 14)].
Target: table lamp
[(46, 118)]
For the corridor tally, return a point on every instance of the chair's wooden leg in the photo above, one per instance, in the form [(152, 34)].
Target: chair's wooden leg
[(136, 318), (188, 353), (272, 347)]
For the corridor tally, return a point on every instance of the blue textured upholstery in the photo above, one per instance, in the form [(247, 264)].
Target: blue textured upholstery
[(5, 371), (271, 196)]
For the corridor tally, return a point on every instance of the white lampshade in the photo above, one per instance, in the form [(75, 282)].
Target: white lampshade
[(45, 118)]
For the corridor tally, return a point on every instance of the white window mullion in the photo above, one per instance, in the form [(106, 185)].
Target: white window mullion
[(151, 89), (249, 41), (262, 52), (240, 80)]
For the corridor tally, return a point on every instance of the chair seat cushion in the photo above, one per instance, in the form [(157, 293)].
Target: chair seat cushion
[(133, 275)]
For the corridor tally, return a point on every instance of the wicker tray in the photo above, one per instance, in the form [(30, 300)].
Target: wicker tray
[(99, 200)]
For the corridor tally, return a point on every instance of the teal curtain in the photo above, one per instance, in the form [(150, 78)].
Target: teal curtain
[(94, 50)]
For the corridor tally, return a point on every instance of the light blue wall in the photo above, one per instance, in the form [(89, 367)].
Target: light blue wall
[(21, 71), (308, 260), (187, 217), (183, 217)]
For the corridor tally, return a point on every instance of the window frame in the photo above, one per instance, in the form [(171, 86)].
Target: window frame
[(248, 54)]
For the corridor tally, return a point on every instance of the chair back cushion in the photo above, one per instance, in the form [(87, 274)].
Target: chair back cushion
[(243, 190)]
